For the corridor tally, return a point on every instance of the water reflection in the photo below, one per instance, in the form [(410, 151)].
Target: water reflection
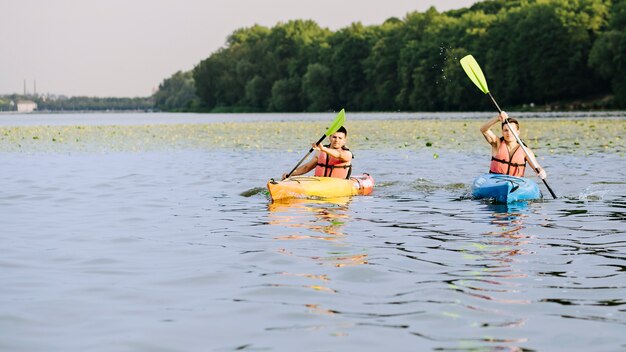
[(314, 231), (317, 220), (493, 283), (328, 218)]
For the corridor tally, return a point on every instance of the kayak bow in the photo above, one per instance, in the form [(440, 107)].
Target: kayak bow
[(505, 188)]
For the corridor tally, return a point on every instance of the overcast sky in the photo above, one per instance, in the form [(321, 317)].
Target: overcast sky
[(125, 48)]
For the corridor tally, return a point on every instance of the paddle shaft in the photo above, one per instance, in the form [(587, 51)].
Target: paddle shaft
[(307, 154), (519, 141)]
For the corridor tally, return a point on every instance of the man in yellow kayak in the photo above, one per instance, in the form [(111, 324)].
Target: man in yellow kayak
[(506, 155), (332, 160)]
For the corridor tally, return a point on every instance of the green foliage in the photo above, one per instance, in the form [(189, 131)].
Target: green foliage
[(608, 56), (257, 92), (286, 95), (5, 104), (177, 93), (351, 46), (532, 51), (92, 104), (546, 58), (381, 67), (317, 88)]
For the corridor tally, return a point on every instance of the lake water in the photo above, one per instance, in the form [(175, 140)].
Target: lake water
[(124, 246)]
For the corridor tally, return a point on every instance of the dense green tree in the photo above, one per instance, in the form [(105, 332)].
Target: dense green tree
[(245, 72), (536, 51), (213, 80), (608, 56), (258, 92), (464, 36), (422, 59), (5, 104), (295, 45), (491, 7), (286, 95), (381, 67), (317, 88), (539, 53), (351, 46), (177, 93)]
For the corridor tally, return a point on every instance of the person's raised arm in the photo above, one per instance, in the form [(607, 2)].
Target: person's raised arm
[(485, 129)]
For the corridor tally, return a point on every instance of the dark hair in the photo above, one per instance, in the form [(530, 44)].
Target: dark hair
[(511, 120), (342, 130)]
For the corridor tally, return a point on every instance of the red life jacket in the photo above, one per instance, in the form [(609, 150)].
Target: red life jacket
[(506, 163), (327, 166)]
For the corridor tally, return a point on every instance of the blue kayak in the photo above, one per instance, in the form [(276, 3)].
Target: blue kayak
[(505, 188)]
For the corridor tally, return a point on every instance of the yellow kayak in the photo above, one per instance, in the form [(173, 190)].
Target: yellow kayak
[(320, 187)]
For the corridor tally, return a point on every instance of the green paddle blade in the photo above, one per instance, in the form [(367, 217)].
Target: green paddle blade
[(472, 69), (339, 121)]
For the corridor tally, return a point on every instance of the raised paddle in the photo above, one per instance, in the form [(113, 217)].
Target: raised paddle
[(472, 69), (339, 121)]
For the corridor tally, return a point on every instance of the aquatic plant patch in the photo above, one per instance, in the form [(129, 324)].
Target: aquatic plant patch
[(579, 136)]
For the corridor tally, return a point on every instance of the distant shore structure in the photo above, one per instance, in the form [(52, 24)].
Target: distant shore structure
[(34, 88), (25, 106)]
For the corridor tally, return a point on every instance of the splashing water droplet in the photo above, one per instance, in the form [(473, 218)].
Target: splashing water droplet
[(591, 194)]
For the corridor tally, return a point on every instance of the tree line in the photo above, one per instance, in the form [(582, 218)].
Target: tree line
[(63, 103), (532, 52)]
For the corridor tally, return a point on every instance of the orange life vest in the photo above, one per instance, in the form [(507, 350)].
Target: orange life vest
[(506, 163), (327, 166)]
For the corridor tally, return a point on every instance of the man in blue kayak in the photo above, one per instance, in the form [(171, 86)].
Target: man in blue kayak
[(332, 160), (506, 155)]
